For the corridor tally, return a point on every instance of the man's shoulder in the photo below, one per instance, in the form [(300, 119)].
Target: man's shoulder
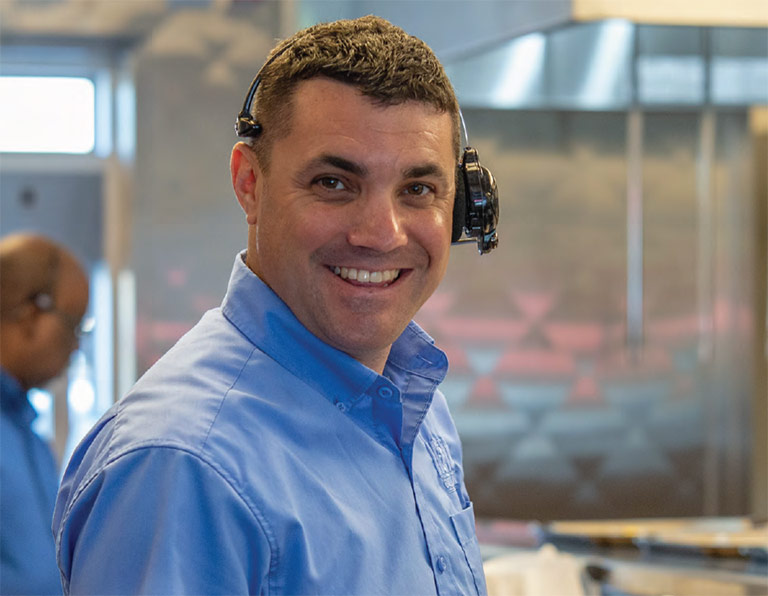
[(177, 400), (177, 404)]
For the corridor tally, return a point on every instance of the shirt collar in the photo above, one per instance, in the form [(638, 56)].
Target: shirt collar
[(415, 352), (269, 324)]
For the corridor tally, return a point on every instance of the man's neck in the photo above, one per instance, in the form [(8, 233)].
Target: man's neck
[(375, 362)]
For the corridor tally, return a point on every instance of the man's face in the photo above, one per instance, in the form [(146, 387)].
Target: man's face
[(55, 334), (351, 225)]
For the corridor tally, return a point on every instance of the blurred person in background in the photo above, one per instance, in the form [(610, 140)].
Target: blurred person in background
[(295, 441), (43, 297)]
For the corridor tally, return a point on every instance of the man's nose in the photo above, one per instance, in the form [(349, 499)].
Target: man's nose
[(378, 223)]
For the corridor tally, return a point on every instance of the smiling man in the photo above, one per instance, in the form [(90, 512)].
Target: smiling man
[(295, 441)]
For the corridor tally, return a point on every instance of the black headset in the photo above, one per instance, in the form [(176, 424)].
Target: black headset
[(476, 205)]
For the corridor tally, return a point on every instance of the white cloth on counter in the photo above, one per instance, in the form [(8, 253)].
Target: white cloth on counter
[(545, 572)]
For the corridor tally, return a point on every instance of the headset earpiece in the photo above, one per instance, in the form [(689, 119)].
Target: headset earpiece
[(43, 301), (459, 206), (476, 205), (246, 126)]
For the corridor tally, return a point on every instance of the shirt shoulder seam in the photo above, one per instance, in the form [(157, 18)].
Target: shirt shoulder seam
[(224, 396)]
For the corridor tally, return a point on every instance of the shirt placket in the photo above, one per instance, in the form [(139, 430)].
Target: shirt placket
[(439, 553)]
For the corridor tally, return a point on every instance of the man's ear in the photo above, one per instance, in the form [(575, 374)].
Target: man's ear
[(245, 171)]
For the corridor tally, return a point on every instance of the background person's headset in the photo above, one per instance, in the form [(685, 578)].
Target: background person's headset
[(476, 205)]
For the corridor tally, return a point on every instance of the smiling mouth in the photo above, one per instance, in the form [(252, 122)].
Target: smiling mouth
[(363, 276)]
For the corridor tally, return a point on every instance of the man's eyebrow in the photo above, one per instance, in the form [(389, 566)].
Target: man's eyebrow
[(429, 169), (342, 163), (327, 159)]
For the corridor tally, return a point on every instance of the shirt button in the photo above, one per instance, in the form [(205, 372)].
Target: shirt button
[(442, 564), (342, 407), (385, 392)]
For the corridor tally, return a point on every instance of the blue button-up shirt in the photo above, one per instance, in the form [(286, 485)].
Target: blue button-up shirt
[(28, 483), (254, 458)]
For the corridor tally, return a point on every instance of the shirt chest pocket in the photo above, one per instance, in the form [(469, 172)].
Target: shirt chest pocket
[(464, 526)]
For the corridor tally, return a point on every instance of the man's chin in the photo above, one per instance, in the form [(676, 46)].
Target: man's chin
[(362, 349)]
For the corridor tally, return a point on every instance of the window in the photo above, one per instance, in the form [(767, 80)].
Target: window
[(47, 114)]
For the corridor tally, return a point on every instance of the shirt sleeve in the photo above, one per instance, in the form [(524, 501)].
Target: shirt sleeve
[(161, 520)]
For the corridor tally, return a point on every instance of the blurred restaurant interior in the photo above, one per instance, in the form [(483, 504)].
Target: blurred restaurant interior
[(607, 362)]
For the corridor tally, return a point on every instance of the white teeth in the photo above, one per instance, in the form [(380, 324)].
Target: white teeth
[(365, 276)]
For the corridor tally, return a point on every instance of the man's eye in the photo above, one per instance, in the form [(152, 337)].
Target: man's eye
[(418, 189), (330, 183)]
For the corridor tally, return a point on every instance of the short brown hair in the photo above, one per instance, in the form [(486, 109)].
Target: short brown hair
[(369, 53)]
